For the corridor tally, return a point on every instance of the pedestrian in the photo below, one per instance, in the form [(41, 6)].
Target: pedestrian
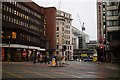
[(43, 59), (56, 59), (40, 59), (34, 60)]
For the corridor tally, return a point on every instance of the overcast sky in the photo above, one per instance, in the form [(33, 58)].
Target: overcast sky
[(86, 9)]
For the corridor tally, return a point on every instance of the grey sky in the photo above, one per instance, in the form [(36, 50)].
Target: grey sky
[(85, 8)]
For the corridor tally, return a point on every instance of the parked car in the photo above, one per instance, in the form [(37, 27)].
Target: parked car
[(87, 60)]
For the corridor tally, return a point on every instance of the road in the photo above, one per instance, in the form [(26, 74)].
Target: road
[(75, 70)]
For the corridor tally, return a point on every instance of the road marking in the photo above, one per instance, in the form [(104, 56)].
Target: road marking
[(64, 74), (13, 74), (51, 71), (37, 73)]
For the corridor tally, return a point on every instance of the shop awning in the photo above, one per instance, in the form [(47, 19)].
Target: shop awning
[(21, 46)]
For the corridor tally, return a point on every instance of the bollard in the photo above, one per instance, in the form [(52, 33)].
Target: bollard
[(53, 62)]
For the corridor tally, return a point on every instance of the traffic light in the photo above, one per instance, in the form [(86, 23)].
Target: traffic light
[(101, 48)]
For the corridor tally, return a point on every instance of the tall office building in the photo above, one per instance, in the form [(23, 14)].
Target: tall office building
[(22, 30), (64, 34), (79, 39), (108, 28)]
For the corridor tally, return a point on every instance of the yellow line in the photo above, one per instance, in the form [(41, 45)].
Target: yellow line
[(13, 74), (38, 74)]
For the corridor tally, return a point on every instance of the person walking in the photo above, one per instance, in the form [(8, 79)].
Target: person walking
[(56, 59), (34, 60)]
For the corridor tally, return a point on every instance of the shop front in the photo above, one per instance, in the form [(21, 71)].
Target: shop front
[(19, 53)]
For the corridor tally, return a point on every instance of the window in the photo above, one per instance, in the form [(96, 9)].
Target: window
[(15, 12), (112, 23), (19, 14), (2, 32), (103, 14), (57, 28), (6, 18), (10, 10), (14, 21), (104, 6), (4, 7), (112, 13), (57, 46), (3, 17), (9, 19), (13, 35), (7, 8)]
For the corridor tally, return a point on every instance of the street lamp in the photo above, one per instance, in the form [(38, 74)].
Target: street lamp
[(9, 50)]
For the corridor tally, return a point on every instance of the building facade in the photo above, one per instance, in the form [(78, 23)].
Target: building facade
[(64, 45), (22, 30), (79, 39), (108, 29), (80, 48), (50, 27)]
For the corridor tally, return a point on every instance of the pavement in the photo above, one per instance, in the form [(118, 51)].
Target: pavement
[(113, 66), (42, 64)]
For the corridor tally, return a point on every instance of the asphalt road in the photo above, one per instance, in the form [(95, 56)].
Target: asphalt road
[(75, 70)]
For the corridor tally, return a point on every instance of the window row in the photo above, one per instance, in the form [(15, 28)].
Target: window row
[(9, 35), (112, 3), (68, 26), (21, 23), (112, 13), (27, 37), (17, 4), (67, 31), (63, 14), (67, 47), (66, 36), (112, 23), (19, 14)]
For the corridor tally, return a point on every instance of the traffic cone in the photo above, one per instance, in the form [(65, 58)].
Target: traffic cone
[(53, 62)]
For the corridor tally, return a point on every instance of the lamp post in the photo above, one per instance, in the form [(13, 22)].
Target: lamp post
[(9, 50)]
